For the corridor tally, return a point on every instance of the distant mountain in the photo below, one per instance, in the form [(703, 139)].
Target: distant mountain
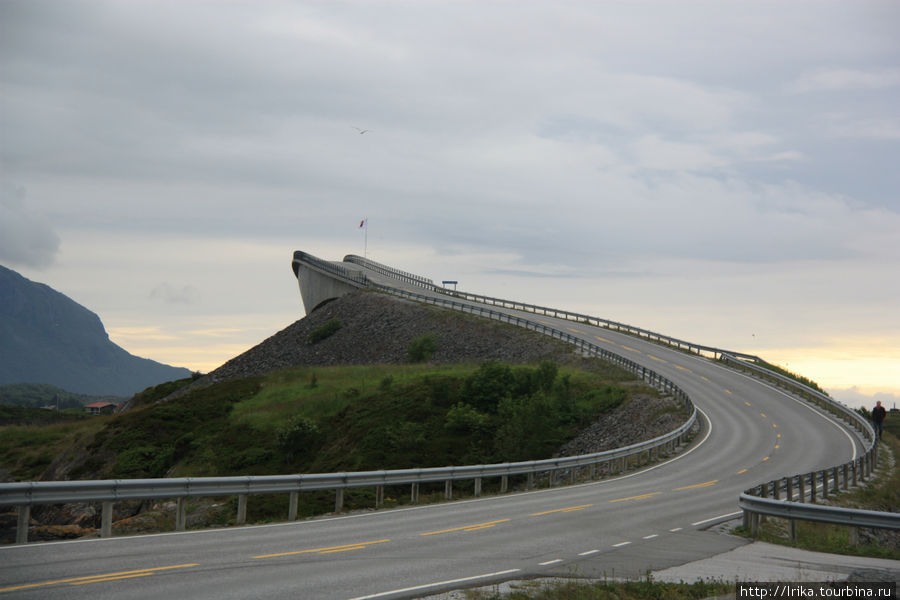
[(46, 337)]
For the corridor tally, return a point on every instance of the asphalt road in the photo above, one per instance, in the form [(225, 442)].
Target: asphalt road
[(622, 526)]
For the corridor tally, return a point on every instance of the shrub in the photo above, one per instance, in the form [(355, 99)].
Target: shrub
[(297, 437), (422, 348), (463, 418), (324, 331)]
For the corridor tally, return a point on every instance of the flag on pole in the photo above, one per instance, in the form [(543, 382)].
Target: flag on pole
[(362, 224)]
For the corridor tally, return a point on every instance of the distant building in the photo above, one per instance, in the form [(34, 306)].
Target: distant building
[(100, 408)]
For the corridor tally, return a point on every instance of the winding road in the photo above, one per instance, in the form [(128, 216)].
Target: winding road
[(620, 526)]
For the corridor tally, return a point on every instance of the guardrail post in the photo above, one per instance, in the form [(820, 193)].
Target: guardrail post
[(529, 481), (835, 481), (790, 488), (846, 471), (854, 536), (812, 487), (339, 500), (801, 484), (592, 473), (242, 509), (414, 493), (106, 512), (478, 487), (293, 505), (448, 489), (793, 527), (22, 521), (764, 490), (776, 489), (379, 496), (504, 483), (180, 514), (824, 484)]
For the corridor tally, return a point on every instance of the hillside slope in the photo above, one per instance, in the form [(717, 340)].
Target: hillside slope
[(46, 337)]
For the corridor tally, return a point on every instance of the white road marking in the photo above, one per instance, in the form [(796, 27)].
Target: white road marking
[(650, 537), (734, 514), (436, 584), (588, 553), (676, 529), (550, 562), (620, 544)]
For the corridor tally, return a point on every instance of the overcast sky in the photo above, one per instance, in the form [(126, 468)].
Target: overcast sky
[(724, 172)]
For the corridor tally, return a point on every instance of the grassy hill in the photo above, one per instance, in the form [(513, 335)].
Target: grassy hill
[(263, 413)]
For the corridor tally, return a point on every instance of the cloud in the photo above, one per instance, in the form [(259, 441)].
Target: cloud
[(168, 293), (26, 238), (840, 80), (856, 398)]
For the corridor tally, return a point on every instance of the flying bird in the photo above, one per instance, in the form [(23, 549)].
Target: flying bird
[(361, 131)]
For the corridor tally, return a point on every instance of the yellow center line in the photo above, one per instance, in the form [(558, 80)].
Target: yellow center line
[(742, 471), (347, 549), (779, 435), (474, 527), (630, 348), (641, 497), (747, 403), (680, 368), (766, 458), (112, 578), (92, 578), (763, 415), (697, 485), (777, 446), (328, 549), (563, 510), (573, 330), (774, 425), (727, 391), (657, 358), (705, 378), (603, 339)]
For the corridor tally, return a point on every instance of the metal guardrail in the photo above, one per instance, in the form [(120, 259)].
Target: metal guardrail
[(751, 500), (25, 494), (391, 271), (823, 514)]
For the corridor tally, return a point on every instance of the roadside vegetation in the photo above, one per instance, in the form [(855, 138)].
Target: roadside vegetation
[(330, 419)]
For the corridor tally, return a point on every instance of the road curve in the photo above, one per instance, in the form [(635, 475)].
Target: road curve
[(621, 526)]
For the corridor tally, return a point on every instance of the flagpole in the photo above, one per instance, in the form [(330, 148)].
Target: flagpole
[(366, 237)]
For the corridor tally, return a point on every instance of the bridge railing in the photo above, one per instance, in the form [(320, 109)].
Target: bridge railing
[(390, 271), (357, 278)]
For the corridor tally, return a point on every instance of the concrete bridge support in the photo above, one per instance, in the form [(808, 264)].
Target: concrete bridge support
[(317, 287)]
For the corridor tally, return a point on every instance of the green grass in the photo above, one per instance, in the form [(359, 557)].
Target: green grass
[(26, 451)]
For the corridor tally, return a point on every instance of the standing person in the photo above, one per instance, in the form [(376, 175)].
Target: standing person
[(878, 415)]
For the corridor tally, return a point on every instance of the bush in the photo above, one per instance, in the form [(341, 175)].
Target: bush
[(422, 348), (299, 436), (465, 419), (325, 331)]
